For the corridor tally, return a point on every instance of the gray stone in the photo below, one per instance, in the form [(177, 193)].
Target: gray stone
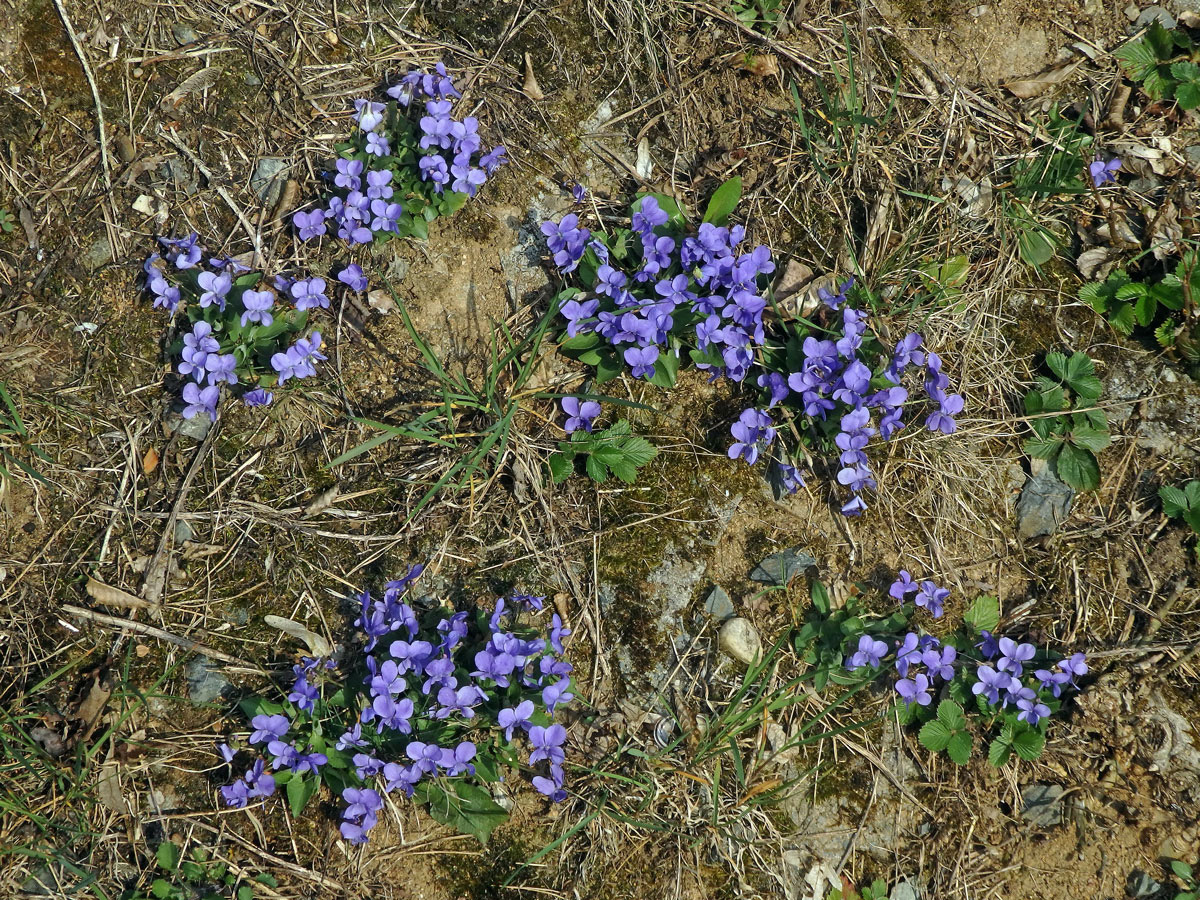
[(1148, 186), (717, 604), (1193, 152), (1139, 884), (270, 175), (184, 33), (251, 80), (177, 171), (739, 639), (183, 532), (780, 568), (196, 427), (57, 879), (1150, 13), (98, 254), (1044, 504), (206, 684), (1042, 805), (905, 890)]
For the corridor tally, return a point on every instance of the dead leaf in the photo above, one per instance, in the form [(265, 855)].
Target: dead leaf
[(381, 301), (193, 84), (108, 787), (317, 645), (1165, 233), (113, 596), (31, 234), (531, 88), (764, 65), (1030, 87), (322, 501), (98, 687), (976, 196), (150, 461), (289, 197), (142, 651)]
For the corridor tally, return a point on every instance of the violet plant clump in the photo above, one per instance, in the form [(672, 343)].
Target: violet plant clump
[(435, 705), (662, 293), (409, 161), (239, 332), (966, 682)]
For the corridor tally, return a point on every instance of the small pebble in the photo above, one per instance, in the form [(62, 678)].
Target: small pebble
[(718, 605), (184, 33), (739, 639)]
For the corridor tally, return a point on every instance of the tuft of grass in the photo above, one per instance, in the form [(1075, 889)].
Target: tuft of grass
[(14, 438)]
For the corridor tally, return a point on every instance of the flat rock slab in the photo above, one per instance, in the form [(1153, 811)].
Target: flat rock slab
[(1042, 805), (1044, 504), (780, 568)]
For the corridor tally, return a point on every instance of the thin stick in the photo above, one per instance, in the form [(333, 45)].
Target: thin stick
[(151, 631), (105, 162)]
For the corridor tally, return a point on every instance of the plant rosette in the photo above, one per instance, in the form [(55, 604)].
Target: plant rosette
[(239, 334), (409, 161), (662, 294), (437, 705)]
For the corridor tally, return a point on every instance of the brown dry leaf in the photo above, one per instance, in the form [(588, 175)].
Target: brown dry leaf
[(1030, 87), (92, 704), (317, 645), (193, 84), (113, 596), (764, 65), (142, 651), (531, 88), (381, 301), (322, 501), (150, 461), (108, 787)]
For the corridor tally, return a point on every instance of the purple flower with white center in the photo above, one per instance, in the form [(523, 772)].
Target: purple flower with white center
[(411, 656), (258, 397), (915, 689), (309, 224), (511, 718), (368, 114), (1013, 656), (1075, 666), (433, 168), (650, 215), (1103, 172), (906, 353), (196, 349), (440, 673), (776, 386), (988, 646), (942, 419), (184, 252), (870, 653), (385, 215), (258, 307), (215, 286), (390, 713), (437, 127), (554, 694), (908, 653), (348, 172), (260, 784), (309, 293), (200, 400), (365, 765), (360, 814), (931, 597), (902, 586), (990, 683), (236, 794), (352, 276), (547, 744), (940, 662), (458, 700), (309, 762), (579, 415), (425, 757), (467, 178), (166, 295), (1032, 710), (495, 158), (377, 144), (458, 761), (352, 738), (282, 754), (566, 241), (642, 360), (1052, 681), (754, 431), (857, 477), (379, 184), (387, 680), (268, 728), (403, 777), (576, 312)]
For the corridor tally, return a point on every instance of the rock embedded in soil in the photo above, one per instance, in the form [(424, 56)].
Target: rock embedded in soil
[(1044, 504), (205, 682), (905, 890), (739, 639), (98, 254), (718, 605), (1150, 14), (1042, 805), (780, 568), (268, 179)]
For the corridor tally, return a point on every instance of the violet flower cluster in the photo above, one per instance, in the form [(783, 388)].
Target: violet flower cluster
[(409, 161), (1007, 676), (441, 696), (639, 297), (240, 334)]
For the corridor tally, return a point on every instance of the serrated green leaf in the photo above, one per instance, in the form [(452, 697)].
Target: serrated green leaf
[(984, 614), (1192, 491), (960, 747), (934, 735), (560, 467), (1192, 517), (638, 450), (1058, 364), (1137, 58), (1121, 318), (160, 888), (245, 892), (1077, 467), (595, 469), (951, 715), (1165, 334), (1028, 744), (1187, 95), (1090, 439), (1043, 447), (1132, 291), (999, 751)]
